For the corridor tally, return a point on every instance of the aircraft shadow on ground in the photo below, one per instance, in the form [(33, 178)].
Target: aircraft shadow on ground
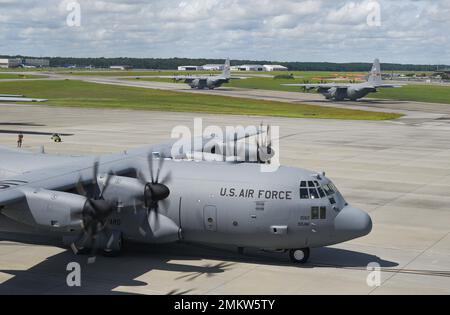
[(27, 124), (107, 274), (359, 102), (38, 133)]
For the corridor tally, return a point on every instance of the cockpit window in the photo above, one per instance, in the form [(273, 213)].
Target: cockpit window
[(329, 189), (321, 192), (311, 190), (313, 193), (314, 190), (304, 193)]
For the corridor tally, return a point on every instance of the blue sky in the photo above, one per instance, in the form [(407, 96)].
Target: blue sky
[(410, 31)]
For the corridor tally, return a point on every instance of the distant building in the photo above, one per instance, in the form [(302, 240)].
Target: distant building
[(271, 68), (248, 68), (121, 68), (10, 62), (190, 68), (213, 67), (39, 63)]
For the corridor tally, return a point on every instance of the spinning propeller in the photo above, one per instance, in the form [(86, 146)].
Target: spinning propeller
[(156, 193), (94, 214)]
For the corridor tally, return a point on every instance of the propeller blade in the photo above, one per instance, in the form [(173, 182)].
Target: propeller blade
[(94, 247), (80, 189), (165, 204), (74, 245), (156, 212), (95, 172), (141, 177), (150, 167), (144, 224), (167, 179), (161, 164), (107, 182)]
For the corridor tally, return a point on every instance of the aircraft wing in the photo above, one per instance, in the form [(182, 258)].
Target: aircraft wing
[(9, 95), (22, 170), (20, 99), (323, 85), (389, 86), (190, 78)]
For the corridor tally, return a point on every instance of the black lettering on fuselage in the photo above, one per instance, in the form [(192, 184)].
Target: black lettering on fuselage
[(251, 194)]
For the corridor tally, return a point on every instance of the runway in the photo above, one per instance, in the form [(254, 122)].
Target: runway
[(398, 171)]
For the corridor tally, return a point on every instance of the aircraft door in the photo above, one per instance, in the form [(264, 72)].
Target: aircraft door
[(210, 218)]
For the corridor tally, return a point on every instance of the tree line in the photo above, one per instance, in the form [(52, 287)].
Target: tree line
[(174, 63)]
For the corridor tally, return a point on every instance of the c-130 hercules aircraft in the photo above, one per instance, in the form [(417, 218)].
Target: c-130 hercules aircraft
[(208, 82), (95, 203), (351, 91)]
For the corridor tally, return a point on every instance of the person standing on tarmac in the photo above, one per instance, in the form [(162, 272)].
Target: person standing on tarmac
[(19, 140)]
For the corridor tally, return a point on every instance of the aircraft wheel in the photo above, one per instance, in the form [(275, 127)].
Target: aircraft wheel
[(299, 256)]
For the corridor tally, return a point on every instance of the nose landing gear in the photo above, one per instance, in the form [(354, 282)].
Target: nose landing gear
[(299, 256)]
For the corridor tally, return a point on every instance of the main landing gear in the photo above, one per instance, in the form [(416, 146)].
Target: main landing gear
[(299, 256)]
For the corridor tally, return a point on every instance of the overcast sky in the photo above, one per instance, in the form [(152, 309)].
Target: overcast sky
[(410, 31)]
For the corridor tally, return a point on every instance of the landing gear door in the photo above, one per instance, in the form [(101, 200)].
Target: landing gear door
[(210, 218)]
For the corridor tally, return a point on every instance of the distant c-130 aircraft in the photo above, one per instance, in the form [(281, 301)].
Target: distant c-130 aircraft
[(351, 91), (211, 82)]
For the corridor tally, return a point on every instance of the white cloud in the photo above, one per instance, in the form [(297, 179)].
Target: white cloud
[(411, 31)]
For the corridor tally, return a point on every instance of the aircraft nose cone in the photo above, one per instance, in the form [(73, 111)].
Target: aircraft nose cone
[(352, 223)]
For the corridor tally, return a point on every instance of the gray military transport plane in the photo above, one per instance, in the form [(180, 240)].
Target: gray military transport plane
[(208, 82), (351, 91), (18, 98), (93, 204)]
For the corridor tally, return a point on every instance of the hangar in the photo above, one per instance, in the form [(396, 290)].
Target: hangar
[(10, 62), (190, 68), (271, 68), (213, 67), (248, 68)]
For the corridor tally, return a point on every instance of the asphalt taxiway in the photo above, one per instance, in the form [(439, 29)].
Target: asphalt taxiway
[(398, 171)]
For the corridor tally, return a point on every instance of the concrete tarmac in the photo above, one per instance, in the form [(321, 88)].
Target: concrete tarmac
[(398, 171)]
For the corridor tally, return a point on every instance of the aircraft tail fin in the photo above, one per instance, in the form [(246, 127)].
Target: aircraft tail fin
[(227, 69), (375, 73)]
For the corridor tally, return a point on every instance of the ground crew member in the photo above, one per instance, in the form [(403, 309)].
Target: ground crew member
[(19, 140), (56, 137)]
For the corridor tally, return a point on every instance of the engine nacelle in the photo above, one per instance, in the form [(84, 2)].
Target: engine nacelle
[(49, 209), (356, 93), (125, 191), (210, 84), (195, 83), (239, 152)]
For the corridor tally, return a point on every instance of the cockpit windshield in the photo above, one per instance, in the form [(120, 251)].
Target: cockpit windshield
[(314, 190)]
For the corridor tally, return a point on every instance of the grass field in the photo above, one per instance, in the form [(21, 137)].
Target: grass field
[(418, 93), (19, 76), (83, 94)]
